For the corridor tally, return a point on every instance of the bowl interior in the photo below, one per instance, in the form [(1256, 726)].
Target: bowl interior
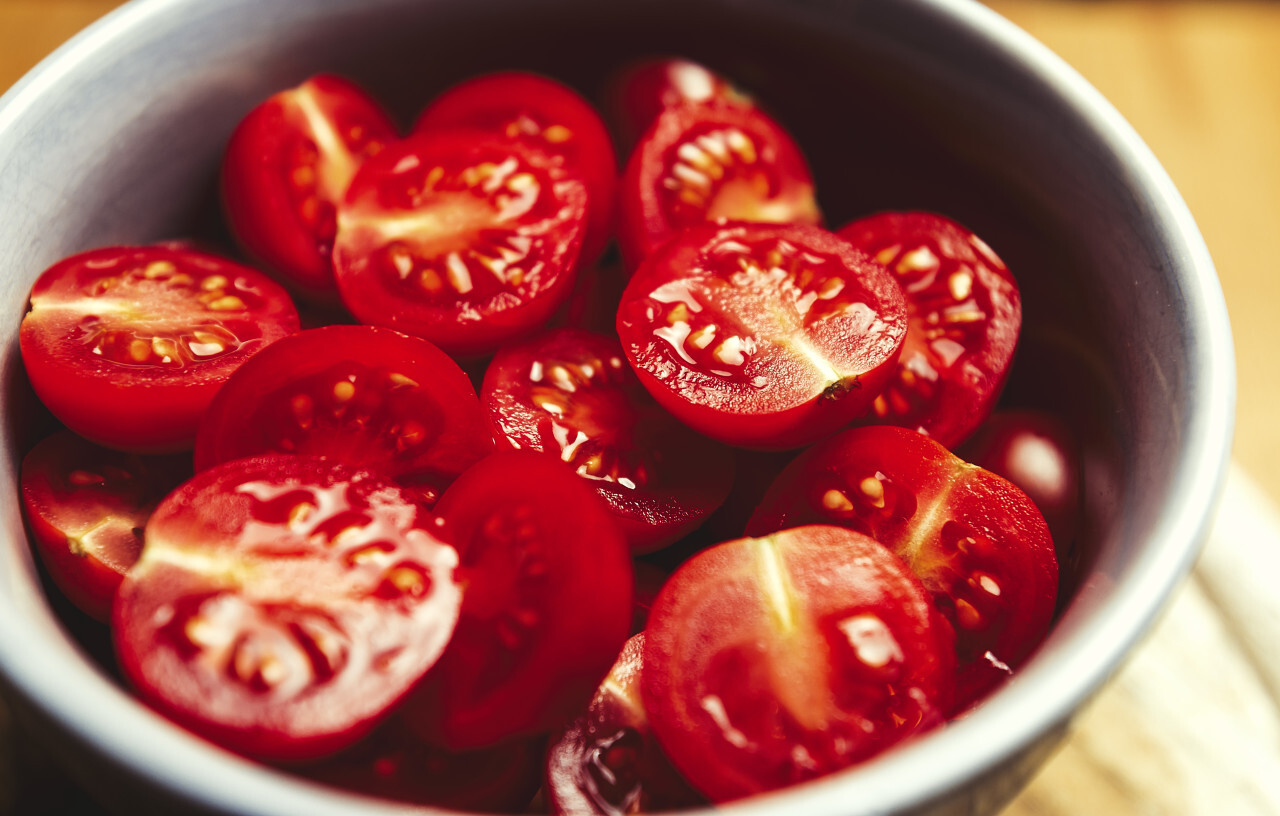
[(898, 104)]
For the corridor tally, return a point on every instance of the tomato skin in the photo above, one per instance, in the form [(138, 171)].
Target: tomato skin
[(965, 314), (710, 161), (127, 345), (286, 167), (770, 661), (644, 89), (606, 761), (461, 237), (361, 395), (547, 603), (978, 543), (86, 506), (522, 105), (571, 393), (765, 336), (282, 605)]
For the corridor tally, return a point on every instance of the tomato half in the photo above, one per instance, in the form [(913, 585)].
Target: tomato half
[(461, 237), (286, 167), (965, 313), (771, 661), (571, 393), (710, 161), (86, 506), (282, 605), (361, 395), (606, 761), (762, 335), (546, 580), (978, 543), (127, 345), (522, 105), (645, 88)]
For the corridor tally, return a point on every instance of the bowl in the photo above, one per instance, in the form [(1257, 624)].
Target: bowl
[(924, 104)]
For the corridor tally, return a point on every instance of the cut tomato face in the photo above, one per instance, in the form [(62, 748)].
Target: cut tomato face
[(978, 543), (360, 395), (547, 582), (86, 506), (646, 88), (127, 345), (570, 393), (461, 237), (521, 105), (771, 661), (710, 161), (965, 313), (762, 335), (288, 164), (606, 761), (282, 605)]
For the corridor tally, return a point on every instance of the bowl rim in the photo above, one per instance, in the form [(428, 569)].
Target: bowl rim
[(1042, 698)]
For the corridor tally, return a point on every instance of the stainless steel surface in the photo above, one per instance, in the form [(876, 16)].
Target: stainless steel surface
[(939, 104)]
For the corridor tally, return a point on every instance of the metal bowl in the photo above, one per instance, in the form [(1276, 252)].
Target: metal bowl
[(934, 104)]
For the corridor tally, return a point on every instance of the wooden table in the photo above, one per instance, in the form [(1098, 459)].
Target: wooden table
[(1191, 726)]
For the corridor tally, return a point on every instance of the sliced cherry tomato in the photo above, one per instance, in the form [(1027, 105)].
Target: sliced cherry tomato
[(644, 89), (770, 661), (762, 335), (965, 313), (606, 761), (571, 393), (978, 543), (521, 105), (127, 345), (361, 395), (394, 763), (546, 580), (461, 237), (86, 506), (286, 167), (706, 162), (282, 605)]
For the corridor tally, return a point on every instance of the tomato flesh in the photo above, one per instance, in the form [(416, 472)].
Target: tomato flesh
[(358, 394), (522, 105), (282, 605), (288, 164), (461, 237), (709, 161), (762, 335), (547, 585), (978, 543), (965, 313), (127, 345), (86, 507), (646, 88), (571, 393), (771, 661)]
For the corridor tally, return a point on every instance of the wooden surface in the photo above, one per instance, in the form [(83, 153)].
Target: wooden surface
[(1190, 727)]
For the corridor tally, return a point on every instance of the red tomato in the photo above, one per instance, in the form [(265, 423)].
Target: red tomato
[(571, 393), (521, 105), (546, 580), (127, 345), (286, 167), (977, 542), (282, 605), (358, 394), (706, 162), (86, 506), (646, 88), (606, 761), (762, 335), (394, 763), (965, 314), (466, 239), (775, 660)]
